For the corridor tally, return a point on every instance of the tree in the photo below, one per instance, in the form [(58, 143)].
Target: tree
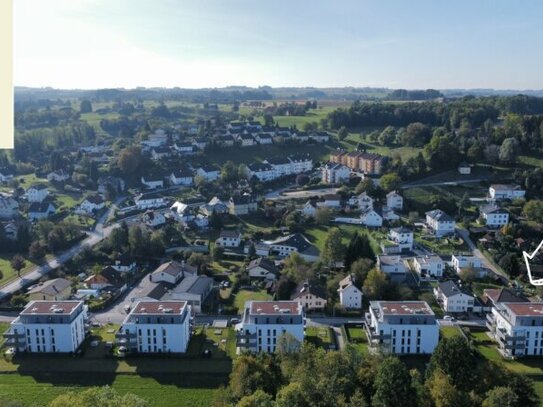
[(254, 372), (198, 259), (333, 249), (365, 185), (443, 392), (342, 133), (416, 134), (97, 396), (85, 106), (360, 269), (287, 343), (390, 182), (509, 263), (291, 395), (393, 385), (533, 210), (138, 240), (523, 387), (468, 275), (217, 253), (215, 221), (118, 239), (36, 251), (257, 399), (229, 172), (509, 150), (323, 215), (501, 397), (284, 288), (359, 247), (375, 284), (130, 159), (17, 263), (457, 357)]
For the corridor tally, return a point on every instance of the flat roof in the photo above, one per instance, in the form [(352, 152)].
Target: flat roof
[(159, 307), (51, 307), (529, 309), (405, 308), (275, 307)]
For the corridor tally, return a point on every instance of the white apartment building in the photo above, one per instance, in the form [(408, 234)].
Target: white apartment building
[(518, 328), (156, 327), (281, 165), (493, 216), (402, 327), (48, 326), (403, 237), (262, 171), (300, 162), (263, 323), (440, 223), (452, 298), (429, 265), (505, 191), (334, 173), (350, 296)]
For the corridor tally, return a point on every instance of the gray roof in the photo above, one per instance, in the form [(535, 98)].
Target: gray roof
[(449, 288), (264, 263), (194, 285), (175, 268), (296, 240), (488, 209), (51, 287), (439, 215), (401, 229)]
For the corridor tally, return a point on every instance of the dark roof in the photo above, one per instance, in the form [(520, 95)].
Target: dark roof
[(183, 172), (258, 167), (278, 160), (496, 295), (38, 186), (263, 262), (94, 199), (401, 229), (296, 240), (299, 157), (51, 287), (449, 288), (124, 259), (241, 199), (229, 233), (194, 285), (209, 167), (39, 207), (309, 287), (439, 215)]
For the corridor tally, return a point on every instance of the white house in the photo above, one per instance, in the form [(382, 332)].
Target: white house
[(388, 214), (246, 140), (262, 268), (309, 209), (390, 264), (156, 327), (452, 298), (91, 204), (301, 162), (402, 327), (40, 210), (215, 205), (149, 201), (182, 176), (505, 191), (350, 296), (181, 212), (371, 218), (58, 176), (320, 136), (241, 205), (229, 238), (331, 201), (403, 237), (281, 165), (153, 219), (311, 296), (48, 327), (158, 153), (334, 173), (184, 148), (8, 207), (264, 138), (263, 323), (284, 246), (493, 216), (124, 263), (209, 172), (362, 201), (262, 171), (429, 265), (394, 200), (152, 182), (172, 272), (440, 223), (37, 193), (518, 328), (460, 262), (5, 176)]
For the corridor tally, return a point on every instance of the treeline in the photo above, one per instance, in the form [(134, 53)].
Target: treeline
[(455, 376), (291, 108), (402, 94), (31, 118)]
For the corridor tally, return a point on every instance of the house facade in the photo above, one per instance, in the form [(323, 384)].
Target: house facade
[(310, 295), (350, 296), (440, 223), (452, 298)]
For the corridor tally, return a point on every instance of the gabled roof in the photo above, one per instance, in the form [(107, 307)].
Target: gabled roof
[(51, 287), (264, 263), (296, 240), (260, 167), (393, 193), (40, 207), (449, 288), (194, 285), (496, 295), (488, 209), (241, 199), (505, 187), (94, 199), (183, 172), (401, 230), (209, 168), (439, 215), (175, 268), (278, 160), (346, 282), (233, 234), (309, 287), (38, 187)]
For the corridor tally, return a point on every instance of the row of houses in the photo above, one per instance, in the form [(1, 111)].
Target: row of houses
[(277, 167)]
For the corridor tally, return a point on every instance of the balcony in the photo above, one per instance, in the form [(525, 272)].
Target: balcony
[(246, 340)]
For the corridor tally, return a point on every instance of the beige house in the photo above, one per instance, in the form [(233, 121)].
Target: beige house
[(310, 295)]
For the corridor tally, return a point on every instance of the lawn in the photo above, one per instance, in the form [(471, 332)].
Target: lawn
[(317, 235), (449, 331), (358, 339), (243, 296), (8, 273), (319, 336), (447, 245)]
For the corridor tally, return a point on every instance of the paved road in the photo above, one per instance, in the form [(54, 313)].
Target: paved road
[(432, 184), (476, 252), (301, 194), (99, 233)]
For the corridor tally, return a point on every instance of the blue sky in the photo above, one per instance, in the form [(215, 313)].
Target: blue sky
[(204, 43)]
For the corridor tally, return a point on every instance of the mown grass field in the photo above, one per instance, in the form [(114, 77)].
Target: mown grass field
[(243, 296), (319, 336), (8, 273)]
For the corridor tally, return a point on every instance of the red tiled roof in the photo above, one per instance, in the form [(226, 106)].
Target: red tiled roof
[(526, 308)]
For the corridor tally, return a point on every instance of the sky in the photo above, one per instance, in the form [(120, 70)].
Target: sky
[(411, 44)]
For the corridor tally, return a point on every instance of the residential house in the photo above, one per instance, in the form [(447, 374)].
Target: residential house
[(153, 219), (301, 162), (300, 136), (394, 200), (320, 136), (149, 201), (5, 176), (156, 327), (124, 263), (391, 265), (37, 193), (464, 168), (262, 268), (281, 165), (517, 328), (215, 205), (229, 238), (8, 207), (331, 201), (246, 140), (172, 272), (460, 262), (194, 290), (493, 216), (309, 209), (181, 176), (440, 223), (494, 296), (453, 298), (311, 295), (226, 140), (284, 246), (57, 289), (263, 323), (402, 327), (350, 296), (48, 327), (91, 204), (388, 214), (241, 205), (152, 181), (334, 173), (159, 153), (505, 191), (262, 171), (264, 138), (200, 143), (429, 265), (363, 201), (108, 277), (209, 172), (371, 218), (58, 176), (403, 237), (40, 210), (115, 183), (184, 148)]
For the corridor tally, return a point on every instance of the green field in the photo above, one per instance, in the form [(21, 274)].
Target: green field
[(319, 336), (8, 273), (317, 235), (449, 331), (243, 296), (358, 339)]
